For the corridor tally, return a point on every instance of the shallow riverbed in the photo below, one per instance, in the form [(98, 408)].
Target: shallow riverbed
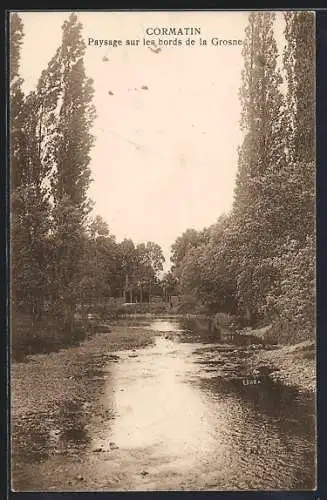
[(172, 414)]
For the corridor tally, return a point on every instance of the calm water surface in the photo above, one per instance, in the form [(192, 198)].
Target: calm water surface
[(173, 418)]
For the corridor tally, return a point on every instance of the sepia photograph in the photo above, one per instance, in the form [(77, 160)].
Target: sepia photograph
[(162, 250)]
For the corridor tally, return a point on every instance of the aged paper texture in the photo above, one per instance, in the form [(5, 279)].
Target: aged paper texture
[(162, 251)]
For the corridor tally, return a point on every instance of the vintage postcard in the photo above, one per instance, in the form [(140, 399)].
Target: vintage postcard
[(162, 196)]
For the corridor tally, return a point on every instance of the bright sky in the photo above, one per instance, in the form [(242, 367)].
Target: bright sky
[(164, 158)]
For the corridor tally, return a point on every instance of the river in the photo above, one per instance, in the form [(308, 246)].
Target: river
[(169, 416)]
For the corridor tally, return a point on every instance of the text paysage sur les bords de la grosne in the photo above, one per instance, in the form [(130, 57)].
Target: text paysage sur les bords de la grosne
[(165, 32)]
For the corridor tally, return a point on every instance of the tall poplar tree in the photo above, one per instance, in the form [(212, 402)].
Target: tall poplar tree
[(261, 160), (71, 174), (16, 156), (29, 192), (262, 151), (296, 300), (299, 65)]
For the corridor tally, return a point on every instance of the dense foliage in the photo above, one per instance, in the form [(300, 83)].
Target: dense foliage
[(64, 258), (258, 261)]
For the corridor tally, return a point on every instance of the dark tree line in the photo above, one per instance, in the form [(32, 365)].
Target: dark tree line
[(62, 256), (258, 261)]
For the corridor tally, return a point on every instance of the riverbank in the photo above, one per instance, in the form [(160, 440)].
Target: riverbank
[(46, 380), (291, 365)]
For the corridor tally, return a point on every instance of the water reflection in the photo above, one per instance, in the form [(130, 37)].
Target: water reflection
[(222, 433), (173, 415), (157, 408)]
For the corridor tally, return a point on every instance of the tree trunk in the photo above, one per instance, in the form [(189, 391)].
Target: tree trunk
[(34, 315), (68, 310), (126, 288), (249, 316), (84, 313)]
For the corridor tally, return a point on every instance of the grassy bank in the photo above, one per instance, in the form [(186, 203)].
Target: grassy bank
[(47, 335), (292, 364)]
